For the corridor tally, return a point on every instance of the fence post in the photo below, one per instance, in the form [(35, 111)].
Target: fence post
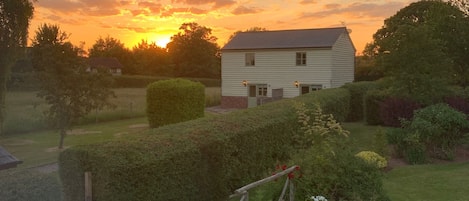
[(88, 191)]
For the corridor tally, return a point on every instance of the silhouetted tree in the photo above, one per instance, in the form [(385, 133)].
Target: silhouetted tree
[(70, 91), (252, 29), (111, 47), (194, 52), (150, 59), (14, 21)]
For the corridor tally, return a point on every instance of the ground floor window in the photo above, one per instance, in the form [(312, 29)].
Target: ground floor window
[(309, 88)]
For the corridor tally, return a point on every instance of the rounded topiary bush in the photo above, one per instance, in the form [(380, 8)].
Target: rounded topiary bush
[(173, 101)]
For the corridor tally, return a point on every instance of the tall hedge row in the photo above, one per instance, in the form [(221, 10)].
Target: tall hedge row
[(357, 94), (202, 159), (173, 101)]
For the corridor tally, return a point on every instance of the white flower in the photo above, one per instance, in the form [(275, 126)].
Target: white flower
[(318, 198)]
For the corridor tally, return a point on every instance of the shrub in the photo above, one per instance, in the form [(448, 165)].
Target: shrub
[(373, 100), (173, 101), (439, 127), (141, 81), (357, 93), (27, 185), (332, 101), (393, 109), (203, 159), (380, 143), (373, 158), (329, 168)]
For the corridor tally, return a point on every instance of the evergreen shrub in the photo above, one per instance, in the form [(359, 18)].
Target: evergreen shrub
[(173, 101)]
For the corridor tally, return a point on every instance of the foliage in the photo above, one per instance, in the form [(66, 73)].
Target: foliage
[(252, 29), (357, 94), (202, 159), (112, 47), (27, 185), (68, 89), (373, 158), (373, 100), (14, 22), (173, 101), (424, 39), (150, 59), (324, 149), (380, 143), (338, 102), (194, 52), (367, 69), (394, 109), (439, 127)]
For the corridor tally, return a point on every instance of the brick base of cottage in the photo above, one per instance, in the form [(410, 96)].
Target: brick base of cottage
[(239, 102)]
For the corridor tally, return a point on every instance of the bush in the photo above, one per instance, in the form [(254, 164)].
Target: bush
[(27, 185), (394, 109), (329, 168), (373, 158), (332, 101), (203, 159), (173, 101), (357, 93), (439, 127), (373, 101)]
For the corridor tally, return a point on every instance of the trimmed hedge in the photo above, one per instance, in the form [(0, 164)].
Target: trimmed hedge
[(393, 109), (202, 159), (29, 185), (173, 101), (373, 101), (357, 94), (141, 81)]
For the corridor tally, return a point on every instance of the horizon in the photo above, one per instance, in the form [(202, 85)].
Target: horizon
[(132, 21)]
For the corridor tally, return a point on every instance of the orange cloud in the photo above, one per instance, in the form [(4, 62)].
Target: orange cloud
[(357, 10), (241, 10)]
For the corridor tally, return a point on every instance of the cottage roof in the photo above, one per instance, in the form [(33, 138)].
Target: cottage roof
[(302, 38), (109, 62), (7, 160)]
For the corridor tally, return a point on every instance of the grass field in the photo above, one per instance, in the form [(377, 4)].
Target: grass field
[(24, 111)]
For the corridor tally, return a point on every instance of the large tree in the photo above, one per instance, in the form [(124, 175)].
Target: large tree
[(442, 22), (14, 21), (194, 52), (70, 91), (111, 47), (150, 59)]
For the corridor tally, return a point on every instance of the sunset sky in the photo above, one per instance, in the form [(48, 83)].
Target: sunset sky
[(130, 21)]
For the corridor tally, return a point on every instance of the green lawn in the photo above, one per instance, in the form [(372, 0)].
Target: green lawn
[(428, 182)]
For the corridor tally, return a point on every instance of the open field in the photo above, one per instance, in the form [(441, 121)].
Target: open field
[(25, 111)]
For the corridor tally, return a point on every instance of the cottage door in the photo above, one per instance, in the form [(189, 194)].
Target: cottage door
[(252, 96)]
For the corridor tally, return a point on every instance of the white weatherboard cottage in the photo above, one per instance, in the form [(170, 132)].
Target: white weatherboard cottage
[(258, 67)]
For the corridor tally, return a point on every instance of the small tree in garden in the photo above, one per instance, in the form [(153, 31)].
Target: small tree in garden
[(328, 164), (173, 101), (67, 88)]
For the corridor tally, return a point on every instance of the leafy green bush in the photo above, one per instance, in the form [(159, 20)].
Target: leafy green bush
[(27, 185), (357, 94), (329, 168), (380, 143), (332, 101), (203, 159), (173, 101), (439, 127)]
